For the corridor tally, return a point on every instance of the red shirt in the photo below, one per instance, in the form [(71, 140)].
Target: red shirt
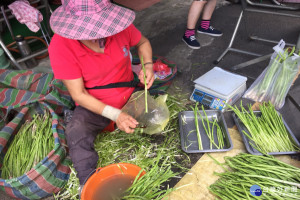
[(70, 59)]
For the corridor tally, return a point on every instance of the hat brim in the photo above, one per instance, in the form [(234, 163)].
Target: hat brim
[(108, 22)]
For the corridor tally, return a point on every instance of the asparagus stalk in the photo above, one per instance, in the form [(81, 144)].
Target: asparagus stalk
[(146, 90), (200, 147), (210, 130)]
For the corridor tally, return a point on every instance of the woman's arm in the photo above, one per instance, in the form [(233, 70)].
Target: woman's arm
[(83, 98), (145, 50)]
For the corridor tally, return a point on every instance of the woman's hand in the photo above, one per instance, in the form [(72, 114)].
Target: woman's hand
[(126, 123), (145, 51), (149, 75)]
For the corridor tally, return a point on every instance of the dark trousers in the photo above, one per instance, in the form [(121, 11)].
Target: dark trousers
[(81, 132)]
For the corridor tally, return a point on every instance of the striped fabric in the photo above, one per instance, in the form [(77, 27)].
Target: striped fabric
[(23, 94), (205, 24), (160, 86), (188, 32)]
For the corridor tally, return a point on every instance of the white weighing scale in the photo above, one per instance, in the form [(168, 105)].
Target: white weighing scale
[(217, 87)]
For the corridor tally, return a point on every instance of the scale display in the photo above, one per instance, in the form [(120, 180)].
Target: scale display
[(208, 100)]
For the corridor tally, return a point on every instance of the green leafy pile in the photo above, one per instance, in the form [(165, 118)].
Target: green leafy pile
[(158, 155)]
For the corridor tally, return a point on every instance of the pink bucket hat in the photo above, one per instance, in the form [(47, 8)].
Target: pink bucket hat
[(90, 19)]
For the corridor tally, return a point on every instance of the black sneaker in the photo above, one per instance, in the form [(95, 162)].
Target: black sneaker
[(210, 31), (191, 42)]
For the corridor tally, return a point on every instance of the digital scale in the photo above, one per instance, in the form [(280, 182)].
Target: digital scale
[(217, 87)]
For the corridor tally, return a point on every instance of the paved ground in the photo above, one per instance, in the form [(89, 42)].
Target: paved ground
[(164, 27), (164, 24)]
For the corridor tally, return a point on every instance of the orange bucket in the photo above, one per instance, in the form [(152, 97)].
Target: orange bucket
[(105, 174)]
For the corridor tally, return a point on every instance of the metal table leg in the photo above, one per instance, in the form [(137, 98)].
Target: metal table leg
[(230, 48), (244, 8), (251, 62), (253, 37), (293, 101), (45, 33), (232, 38), (9, 54), (34, 54), (262, 58), (284, 7), (272, 13), (47, 15), (7, 23)]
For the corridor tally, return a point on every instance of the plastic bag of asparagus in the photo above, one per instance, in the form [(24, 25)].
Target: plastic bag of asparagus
[(155, 119), (275, 81)]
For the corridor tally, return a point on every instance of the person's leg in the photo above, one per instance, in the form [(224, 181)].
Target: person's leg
[(81, 132), (194, 13), (209, 9), (193, 16), (205, 26)]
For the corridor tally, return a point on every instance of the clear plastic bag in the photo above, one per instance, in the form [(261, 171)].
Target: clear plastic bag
[(158, 114), (275, 81)]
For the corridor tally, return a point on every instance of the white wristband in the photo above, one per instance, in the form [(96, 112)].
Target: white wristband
[(111, 113)]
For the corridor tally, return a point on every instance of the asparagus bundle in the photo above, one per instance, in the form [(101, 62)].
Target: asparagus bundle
[(30, 145), (211, 128), (273, 84), (267, 132), (285, 78), (149, 185), (264, 86), (276, 179)]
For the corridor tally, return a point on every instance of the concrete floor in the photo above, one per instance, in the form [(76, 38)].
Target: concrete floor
[(165, 29), (164, 24)]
